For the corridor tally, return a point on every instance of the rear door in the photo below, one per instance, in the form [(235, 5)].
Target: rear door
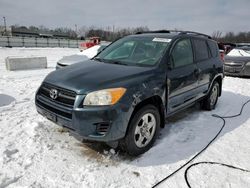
[(203, 59), (181, 77)]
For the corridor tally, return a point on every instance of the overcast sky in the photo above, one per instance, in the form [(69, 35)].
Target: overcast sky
[(198, 15)]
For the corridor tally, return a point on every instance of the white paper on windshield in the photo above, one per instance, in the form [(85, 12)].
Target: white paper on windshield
[(161, 40)]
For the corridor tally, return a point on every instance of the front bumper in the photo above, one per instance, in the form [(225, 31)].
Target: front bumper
[(104, 124), (231, 70)]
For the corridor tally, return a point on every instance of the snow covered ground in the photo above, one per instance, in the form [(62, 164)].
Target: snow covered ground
[(37, 153)]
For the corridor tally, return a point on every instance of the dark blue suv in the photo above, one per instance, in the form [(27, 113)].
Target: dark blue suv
[(124, 94)]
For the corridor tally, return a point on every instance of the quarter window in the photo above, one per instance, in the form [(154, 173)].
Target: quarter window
[(182, 53), (201, 51)]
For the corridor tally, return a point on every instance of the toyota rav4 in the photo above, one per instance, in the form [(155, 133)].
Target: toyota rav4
[(125, 93)]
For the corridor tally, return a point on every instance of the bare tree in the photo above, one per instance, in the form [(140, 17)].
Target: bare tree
[(82, 31), (216, 35)]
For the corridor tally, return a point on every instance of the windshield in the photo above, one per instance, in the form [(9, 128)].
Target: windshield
[(138, 51)]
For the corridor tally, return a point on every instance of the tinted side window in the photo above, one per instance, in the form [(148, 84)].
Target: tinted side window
[(213, 48), (201, 51), (182, 53)]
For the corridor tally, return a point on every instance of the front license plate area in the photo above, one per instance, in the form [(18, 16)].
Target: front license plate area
[(50, 116), (232, 70)]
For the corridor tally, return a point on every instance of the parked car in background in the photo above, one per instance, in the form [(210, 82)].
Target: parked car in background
[(124, 94), (240, 45), (237, 62), (89, 43), (82, 56)]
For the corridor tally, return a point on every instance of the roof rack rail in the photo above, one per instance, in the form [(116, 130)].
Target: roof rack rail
[(157, 31), (196, 33), (177, 31)]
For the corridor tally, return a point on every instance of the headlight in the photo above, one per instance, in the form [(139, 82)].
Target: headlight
[(104, 97)]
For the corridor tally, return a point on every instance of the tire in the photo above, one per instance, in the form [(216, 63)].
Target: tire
[(211, 99), (142, 131)]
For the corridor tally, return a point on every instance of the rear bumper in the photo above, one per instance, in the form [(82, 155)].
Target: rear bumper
[(102, 124)]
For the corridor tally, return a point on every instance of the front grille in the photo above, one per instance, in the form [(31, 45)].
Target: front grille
[(57, 111), (65, 97), (234, 64), (234, 67), (62, 105), (231, 69)]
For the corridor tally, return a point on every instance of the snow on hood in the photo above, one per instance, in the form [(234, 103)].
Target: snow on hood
[(239, 52)]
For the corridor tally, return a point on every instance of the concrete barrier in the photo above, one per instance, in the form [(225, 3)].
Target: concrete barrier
[(6, 41), (25, 63)]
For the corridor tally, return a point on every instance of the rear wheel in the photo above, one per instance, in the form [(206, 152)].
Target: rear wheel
[(142, 131), (210, 101)]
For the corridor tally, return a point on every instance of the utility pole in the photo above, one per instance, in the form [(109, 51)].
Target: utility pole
[(76, 29), (5, 28)]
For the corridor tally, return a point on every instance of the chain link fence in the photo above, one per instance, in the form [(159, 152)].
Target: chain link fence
[(6, 41)]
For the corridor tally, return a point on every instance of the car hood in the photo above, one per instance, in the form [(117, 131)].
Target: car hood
[(239, 52), (92, 75), (72, 59)]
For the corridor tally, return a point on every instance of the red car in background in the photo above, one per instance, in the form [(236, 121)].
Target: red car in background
[(89, 43)]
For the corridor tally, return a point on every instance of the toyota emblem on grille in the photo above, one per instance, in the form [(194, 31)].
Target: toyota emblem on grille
[(53, 93)]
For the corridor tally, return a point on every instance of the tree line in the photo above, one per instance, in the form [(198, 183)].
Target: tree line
[(231, 37), (107, 34), (112, 33)]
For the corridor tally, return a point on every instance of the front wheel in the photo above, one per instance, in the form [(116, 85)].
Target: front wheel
[(210, 101), (142, 131)]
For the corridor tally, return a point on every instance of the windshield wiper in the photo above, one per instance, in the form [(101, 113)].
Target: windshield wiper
[(108, 61), (118, 63), (98, 59)]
